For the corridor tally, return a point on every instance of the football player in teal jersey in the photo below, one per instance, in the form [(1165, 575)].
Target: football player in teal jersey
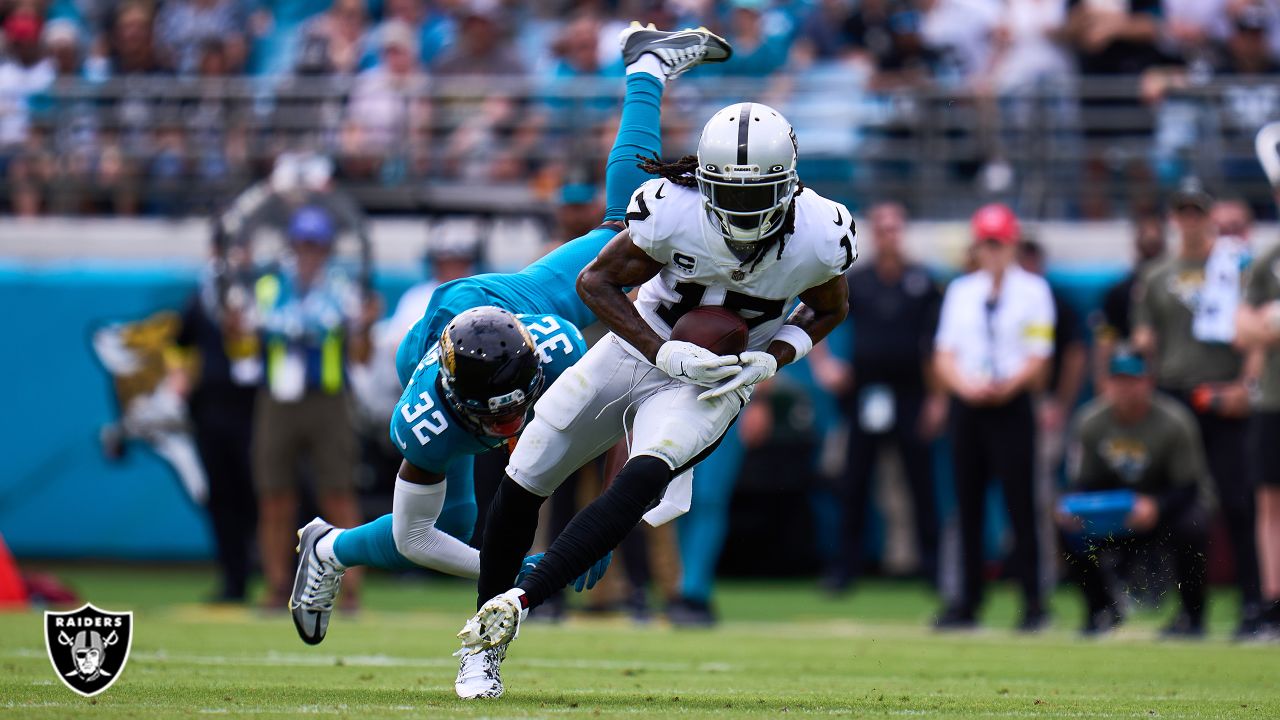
[(483, 352)]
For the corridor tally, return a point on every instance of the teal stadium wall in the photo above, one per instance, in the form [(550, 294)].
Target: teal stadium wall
[(59, 497)]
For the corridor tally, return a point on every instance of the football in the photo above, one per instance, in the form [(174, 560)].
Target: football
[(715, 328)]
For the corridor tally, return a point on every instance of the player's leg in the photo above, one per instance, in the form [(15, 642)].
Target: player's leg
[(1264, 457), (672, 431), (428, 527), (1012, 449), (578, 418), (374, 543), (639, 135), (859, 471), (971, 469), (1084, 569), (917, 465), (652, 57), (275, 452), (703, 530), (1226, 450), (1187, 535), (334, 455)]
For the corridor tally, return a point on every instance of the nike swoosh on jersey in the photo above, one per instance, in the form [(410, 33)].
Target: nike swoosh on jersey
[(658, 195), (396, 431), (839, 221)]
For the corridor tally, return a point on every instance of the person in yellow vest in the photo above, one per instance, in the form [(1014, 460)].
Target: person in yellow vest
[(311, 323)]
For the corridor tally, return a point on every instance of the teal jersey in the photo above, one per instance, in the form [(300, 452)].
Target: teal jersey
[(547, 286), (426, 430)]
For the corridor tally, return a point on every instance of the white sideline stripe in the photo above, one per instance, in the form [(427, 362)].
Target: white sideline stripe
[(298, 660)]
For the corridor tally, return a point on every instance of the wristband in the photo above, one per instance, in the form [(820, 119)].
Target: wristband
[(796, 337)]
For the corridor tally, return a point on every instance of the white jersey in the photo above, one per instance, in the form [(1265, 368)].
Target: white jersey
[(668, 222)]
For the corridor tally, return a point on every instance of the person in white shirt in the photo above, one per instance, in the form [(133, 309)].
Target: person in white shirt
[(994, 343)]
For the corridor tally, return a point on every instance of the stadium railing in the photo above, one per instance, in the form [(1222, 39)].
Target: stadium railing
[(1057, 149)]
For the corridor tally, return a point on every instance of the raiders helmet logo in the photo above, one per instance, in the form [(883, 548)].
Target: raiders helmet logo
[(88, 647)]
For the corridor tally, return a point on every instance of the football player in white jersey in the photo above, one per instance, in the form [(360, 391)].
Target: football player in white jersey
[(732, 226)]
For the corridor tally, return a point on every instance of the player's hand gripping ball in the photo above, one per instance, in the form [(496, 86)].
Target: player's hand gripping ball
[(692, 364), (756, 368), (704, 345)]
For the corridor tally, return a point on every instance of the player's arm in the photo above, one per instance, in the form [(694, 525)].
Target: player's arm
[(416, 506), (418, 476), (602, 286), (822, 308)]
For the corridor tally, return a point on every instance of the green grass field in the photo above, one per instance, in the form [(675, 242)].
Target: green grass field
[(783, 650)]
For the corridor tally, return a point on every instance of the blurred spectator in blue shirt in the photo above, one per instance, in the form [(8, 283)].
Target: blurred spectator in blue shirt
[(761, 39), (183, 26), (480, 48), (433, 29), (823, 31), (577, 55)]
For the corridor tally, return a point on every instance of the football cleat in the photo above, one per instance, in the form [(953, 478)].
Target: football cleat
[(677, 51), (497, 623), (314, 586), (480, 674)]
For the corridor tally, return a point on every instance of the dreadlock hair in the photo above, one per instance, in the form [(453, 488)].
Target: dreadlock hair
[(681, 172)]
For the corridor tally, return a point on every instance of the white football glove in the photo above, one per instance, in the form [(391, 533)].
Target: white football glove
[(756, 368), (692, 364)]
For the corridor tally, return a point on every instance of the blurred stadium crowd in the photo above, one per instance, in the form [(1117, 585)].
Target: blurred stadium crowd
[(1066, 108)]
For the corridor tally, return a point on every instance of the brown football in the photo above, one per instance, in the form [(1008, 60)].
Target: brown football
[(721, 331)]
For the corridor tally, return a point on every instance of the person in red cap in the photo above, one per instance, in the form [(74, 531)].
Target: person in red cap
[(26, 73), (994, 343)]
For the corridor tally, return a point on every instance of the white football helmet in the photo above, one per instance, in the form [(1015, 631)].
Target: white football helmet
[(747, 171)]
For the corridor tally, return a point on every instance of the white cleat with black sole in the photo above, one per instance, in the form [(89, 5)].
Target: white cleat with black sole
[(315, 586), (677, 50), (480, 674)]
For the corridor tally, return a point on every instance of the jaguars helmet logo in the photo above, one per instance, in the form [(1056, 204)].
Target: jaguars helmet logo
[(446, 354)]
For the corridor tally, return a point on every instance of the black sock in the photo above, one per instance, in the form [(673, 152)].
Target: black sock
[(599, 527), (508, 534)]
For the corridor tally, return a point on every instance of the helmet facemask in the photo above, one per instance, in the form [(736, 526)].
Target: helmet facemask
[(498, 416), (744, 203)]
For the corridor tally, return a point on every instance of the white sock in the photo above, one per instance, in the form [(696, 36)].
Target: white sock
[(324, 548), (650, 64)]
